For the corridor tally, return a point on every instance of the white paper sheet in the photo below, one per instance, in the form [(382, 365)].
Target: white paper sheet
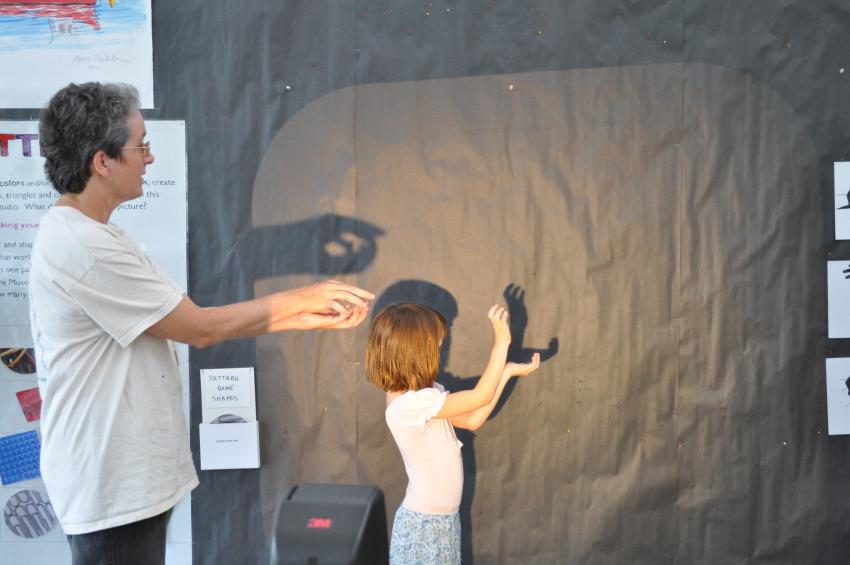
[(90, 40)]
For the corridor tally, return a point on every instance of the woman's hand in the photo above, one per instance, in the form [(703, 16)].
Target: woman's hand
[(332, 296), (499, 318), (330, 320), (329, 305)]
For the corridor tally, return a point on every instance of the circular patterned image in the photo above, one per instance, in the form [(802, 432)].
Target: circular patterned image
[(18, 359), (228, 419), (29, 514)]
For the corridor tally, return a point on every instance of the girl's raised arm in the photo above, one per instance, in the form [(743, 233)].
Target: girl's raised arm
[(475, 419), (467, 400)]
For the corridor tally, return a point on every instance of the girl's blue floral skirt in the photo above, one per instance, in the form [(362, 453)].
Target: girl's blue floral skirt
[(425, 539)]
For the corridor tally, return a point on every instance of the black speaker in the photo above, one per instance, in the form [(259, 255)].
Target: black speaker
[(331, 525)]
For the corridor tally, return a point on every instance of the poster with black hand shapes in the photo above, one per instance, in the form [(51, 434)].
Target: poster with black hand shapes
[(841, 176), (838, 395), (838, 294)]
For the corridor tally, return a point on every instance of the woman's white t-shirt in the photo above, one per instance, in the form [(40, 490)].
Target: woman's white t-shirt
[(115, 447), (430, 450)]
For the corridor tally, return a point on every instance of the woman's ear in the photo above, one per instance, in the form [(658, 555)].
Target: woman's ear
[(99, 163)]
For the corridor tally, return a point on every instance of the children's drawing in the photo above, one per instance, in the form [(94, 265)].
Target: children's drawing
[(73, 41), (60, 15)]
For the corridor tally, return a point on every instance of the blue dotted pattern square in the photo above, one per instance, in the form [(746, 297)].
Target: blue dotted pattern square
[(19, 455)]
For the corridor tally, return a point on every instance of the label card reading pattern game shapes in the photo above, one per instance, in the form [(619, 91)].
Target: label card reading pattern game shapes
[(228, 395)]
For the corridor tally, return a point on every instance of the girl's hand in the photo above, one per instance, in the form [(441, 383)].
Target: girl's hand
[(499, 318), (522, 369)]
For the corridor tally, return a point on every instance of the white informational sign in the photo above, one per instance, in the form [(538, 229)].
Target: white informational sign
[(841, 176), (838, 395), (838, 298), (229, 446), (229, 435), (49, 44), (158, 222)]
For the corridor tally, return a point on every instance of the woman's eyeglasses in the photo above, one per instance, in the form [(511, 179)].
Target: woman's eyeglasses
[(145, 147)]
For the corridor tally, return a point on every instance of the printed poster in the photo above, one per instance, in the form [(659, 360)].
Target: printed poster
[(157, 221)]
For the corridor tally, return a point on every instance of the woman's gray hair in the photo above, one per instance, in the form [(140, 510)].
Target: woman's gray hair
[(79, 121)]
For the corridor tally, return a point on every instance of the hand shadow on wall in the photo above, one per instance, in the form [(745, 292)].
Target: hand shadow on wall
[(329, 244), (437, 297)]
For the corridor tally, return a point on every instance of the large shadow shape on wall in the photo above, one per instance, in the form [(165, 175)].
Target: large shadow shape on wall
[(437, 297), (328, 245), (663, 222)]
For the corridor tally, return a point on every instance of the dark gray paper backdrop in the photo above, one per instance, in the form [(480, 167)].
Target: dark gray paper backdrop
[(658, 180), (638, 215)]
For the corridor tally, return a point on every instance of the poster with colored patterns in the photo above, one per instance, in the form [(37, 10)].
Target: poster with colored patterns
[(157, 221)]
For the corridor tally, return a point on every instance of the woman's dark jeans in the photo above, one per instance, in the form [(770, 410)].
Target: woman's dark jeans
[(138, 543)]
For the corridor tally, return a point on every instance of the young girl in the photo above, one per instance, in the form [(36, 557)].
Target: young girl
[(402, 358)]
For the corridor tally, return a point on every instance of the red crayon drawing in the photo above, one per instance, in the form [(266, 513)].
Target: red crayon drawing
[(61, 13)]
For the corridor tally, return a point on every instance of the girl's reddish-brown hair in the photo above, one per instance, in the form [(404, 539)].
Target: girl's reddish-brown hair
[(403, 347)]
